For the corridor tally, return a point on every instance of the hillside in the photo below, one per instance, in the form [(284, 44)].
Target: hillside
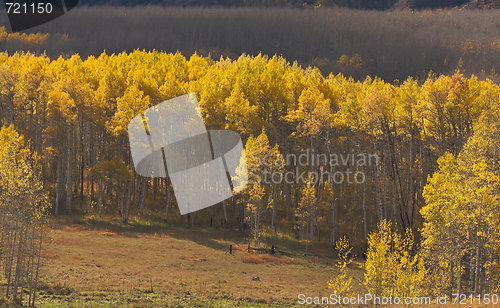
[(387, 44), (353, 4)]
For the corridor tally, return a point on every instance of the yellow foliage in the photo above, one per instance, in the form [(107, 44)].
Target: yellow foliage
[(342, 284), (393, 268)]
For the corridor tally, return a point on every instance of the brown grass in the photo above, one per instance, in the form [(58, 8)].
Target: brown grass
[(173, 263), (194, 259), (49, 256), (66, 241), (74, 228), (253, 260), (242, 248), (191, 268), (103, 233), (270, 259)]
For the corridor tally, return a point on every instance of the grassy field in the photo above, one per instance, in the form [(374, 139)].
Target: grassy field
[(91, 263)]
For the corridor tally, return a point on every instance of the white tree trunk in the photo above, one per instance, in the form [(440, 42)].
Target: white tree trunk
[(68, 175), (59, 183)]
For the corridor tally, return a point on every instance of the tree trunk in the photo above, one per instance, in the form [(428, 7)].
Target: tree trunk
[(37, 267), (384, 176), (128, 200), (378, 194), (19, 261), (411, 193), (155, 187), (144, 188), (119, 195), (211, 214), (59, 183), (471, 271), (332, 225), (82, 169), (395, 176), (476, 277), (288, 196), (99, 196), (302, 229), (307, 240), (365, 223), (77, 151), (68, 175), (380, 210), (273, 214), (312, 218), (109, 193), (167, 201), (8, 272), (91, 160), (459, 275), (137, 191), (225, 213), (393, 184)]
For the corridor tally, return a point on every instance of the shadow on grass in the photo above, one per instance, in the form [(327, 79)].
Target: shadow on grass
[(214, 238)]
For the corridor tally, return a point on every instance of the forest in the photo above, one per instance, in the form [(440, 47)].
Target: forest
[(367, 132), (436, 140)]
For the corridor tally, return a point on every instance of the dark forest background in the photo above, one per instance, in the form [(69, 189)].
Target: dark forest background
[(353, 4), (391, 45)]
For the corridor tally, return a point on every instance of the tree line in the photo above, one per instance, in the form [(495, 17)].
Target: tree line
[(23, 207), (75, 115)]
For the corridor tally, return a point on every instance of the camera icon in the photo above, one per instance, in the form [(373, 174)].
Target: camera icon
[(205, 167)]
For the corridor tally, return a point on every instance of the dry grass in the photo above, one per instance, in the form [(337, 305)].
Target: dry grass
[(85, 264), (271, 259), (253, 260), (194, 259), (99, 264)]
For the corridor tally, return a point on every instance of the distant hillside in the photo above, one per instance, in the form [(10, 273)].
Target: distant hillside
[(389, 44), (353, 4), (484, 4)]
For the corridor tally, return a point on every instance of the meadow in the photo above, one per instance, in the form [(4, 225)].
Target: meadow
[(103, 263), (88, 263)]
